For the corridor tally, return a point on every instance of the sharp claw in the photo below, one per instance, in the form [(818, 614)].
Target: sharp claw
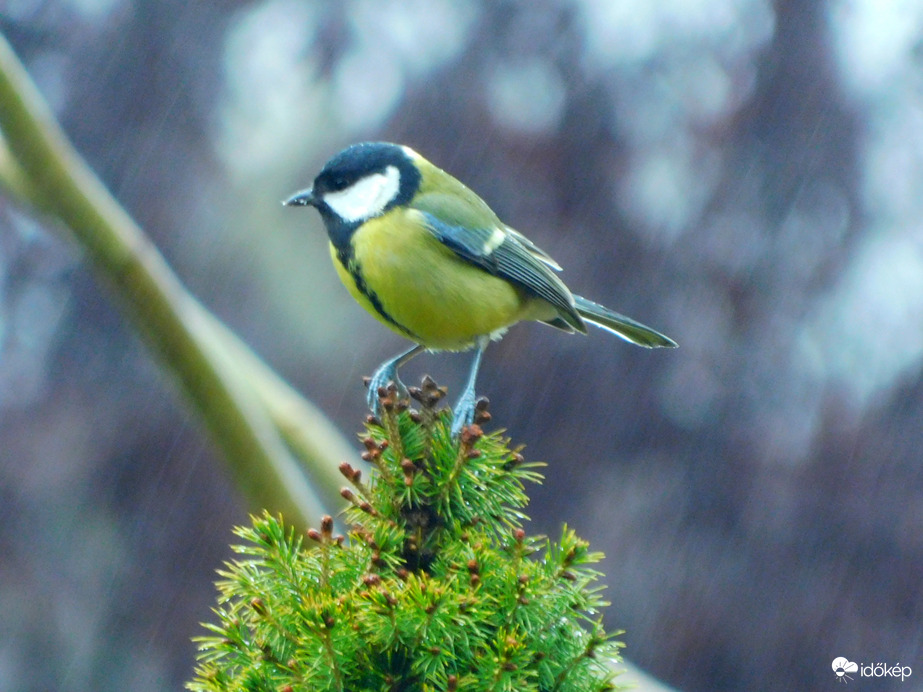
[(382, 378)]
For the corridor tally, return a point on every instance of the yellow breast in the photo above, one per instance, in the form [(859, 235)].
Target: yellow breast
[(426, 292)]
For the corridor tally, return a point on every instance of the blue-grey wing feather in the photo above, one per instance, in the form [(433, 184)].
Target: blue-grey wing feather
[(515, 259)]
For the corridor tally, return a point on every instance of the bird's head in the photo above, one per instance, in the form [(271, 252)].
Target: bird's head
[(361, 182)]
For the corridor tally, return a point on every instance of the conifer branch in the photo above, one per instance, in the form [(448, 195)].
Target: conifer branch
[(436, 587)]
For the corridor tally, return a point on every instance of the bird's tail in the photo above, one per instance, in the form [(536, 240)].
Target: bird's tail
[(621, 326)]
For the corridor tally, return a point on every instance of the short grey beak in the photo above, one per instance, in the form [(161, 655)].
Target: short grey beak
[(302, 198)]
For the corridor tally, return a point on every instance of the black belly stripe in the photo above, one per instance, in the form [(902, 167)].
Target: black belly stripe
[(345, 257)]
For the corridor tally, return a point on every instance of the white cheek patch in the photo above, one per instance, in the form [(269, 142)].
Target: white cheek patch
[(367, 197)]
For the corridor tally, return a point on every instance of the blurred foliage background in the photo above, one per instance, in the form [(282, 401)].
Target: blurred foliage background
[(743, 174)]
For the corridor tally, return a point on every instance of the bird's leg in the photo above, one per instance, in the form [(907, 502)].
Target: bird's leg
[(387, 373), (464, 409)]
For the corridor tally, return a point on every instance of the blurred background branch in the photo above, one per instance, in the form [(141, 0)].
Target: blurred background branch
[(254, 417)]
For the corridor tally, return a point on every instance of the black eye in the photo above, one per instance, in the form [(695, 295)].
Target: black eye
[(339, 182)]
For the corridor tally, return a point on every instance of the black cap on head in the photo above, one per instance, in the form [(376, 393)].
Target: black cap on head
[(362, 181), (359, 160)]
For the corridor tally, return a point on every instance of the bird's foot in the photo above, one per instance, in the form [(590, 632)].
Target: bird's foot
[(468, 410), (379, 385), (385, 376)]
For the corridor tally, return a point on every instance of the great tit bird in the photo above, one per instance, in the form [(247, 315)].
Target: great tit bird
[(428, 258)]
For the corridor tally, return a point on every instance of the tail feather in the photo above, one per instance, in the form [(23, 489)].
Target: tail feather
[(621, 326)]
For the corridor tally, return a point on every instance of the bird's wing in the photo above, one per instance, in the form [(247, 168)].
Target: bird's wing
[(497, 249)]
